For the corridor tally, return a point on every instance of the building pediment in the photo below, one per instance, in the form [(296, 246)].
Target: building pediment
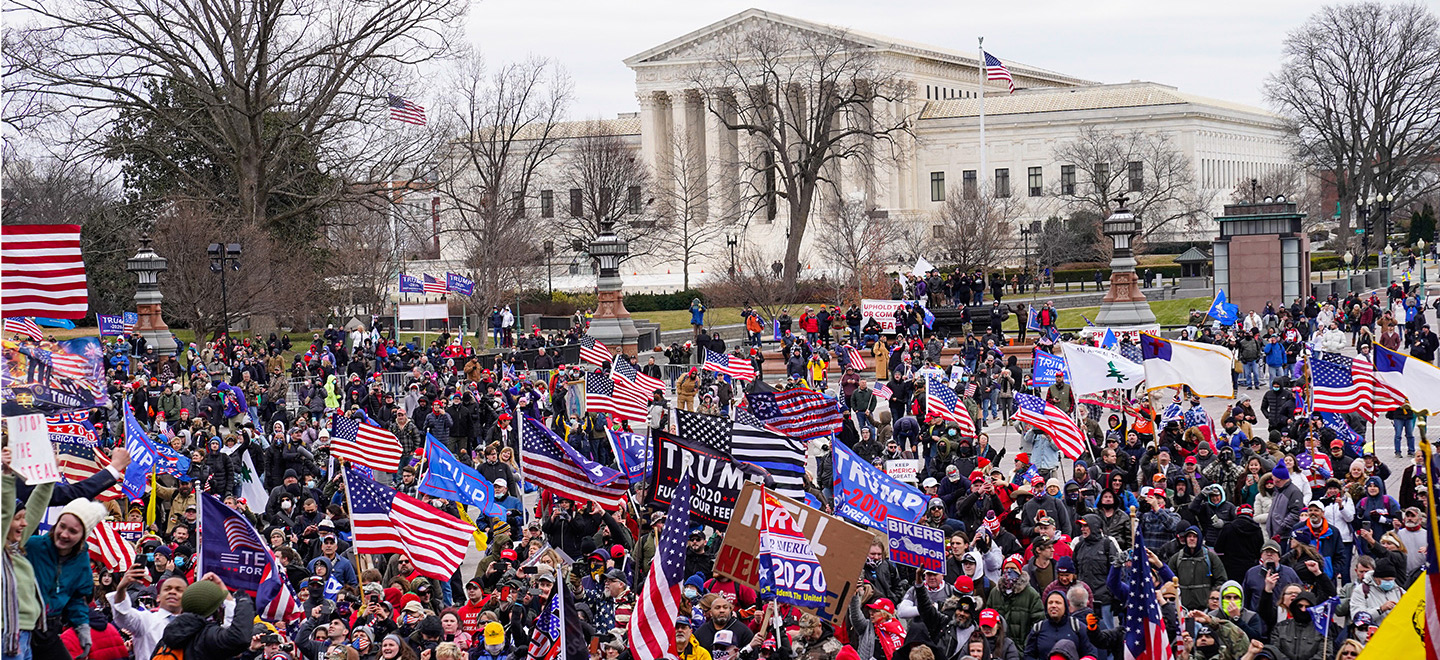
[(704, 44)]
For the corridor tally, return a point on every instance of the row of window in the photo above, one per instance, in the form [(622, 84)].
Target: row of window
[(577, 202), (1035, 181), (941, 93)]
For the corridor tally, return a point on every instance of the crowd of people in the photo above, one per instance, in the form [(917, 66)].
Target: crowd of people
[(1248, 521)]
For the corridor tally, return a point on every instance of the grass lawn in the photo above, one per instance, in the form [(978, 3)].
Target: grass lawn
[(1167, 312)]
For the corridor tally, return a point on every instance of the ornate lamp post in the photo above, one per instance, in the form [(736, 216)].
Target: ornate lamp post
[(1124, 305), (1349, 261), (611, 324), (220, 257), (147, 266)]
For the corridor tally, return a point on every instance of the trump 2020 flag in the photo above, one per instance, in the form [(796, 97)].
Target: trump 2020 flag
[(460, 284), (446, 477), (788, 569), (1094, 370), (146, 455), (232, 549), (111, 326), (632, 452), (1416, 379), (866, 495), (1206, 368), (1044, 367)]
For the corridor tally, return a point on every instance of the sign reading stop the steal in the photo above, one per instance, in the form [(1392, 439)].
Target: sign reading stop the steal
[(31, 454)]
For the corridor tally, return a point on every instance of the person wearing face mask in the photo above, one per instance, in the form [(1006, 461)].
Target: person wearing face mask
[(1015, 600), (1296, 638), (1278, 404), (1377, 593), (1232, 610)]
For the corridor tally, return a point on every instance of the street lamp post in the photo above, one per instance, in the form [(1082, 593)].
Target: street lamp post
[(1349, 262), (1389, 260), (1420, 245), (220, 257), (549, 247), (732, 240)]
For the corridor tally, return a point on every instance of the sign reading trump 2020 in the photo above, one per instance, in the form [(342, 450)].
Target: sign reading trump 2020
[(916, 545), (866, 495)]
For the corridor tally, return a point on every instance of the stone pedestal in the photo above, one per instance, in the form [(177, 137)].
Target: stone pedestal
[(1125, 304), (612, 324), (147, 266)]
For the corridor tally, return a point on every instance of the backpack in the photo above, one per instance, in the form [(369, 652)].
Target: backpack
[(164, 652)]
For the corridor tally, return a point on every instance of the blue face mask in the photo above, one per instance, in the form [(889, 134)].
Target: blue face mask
[(1386, 585)]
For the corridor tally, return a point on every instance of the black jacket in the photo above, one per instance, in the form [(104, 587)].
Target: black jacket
[(203, 638)]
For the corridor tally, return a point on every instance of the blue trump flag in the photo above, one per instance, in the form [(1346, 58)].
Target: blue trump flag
[(929, 317), (866, 495), (146, 455), (54, 323), (460, 284), (446, 477), (632, 451), (1046, 366), (1109, 341), (111, 326), (1222, 311), (410, 284), (1032, 321), (232, 549), (1354, 441)]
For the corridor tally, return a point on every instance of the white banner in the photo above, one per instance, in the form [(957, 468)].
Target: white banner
[(883, 311), (423, 312), (31, 454), (1096, 369)]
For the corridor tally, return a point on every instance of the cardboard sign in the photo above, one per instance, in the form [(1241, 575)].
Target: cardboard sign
[(917, 545), (840, 546), (31, 454), (904, 469), (883, 311)]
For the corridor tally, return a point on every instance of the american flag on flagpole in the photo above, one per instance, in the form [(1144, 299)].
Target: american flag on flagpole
[(388, 521), (853, 358), (1053, 421), (883, 391), (995, 70), (632, 388), (600, 397), (433, 286), (729, 365), (797, 412), (405, 110), (1385, 397), (128, 321), (941, 402), (42, 272), (547, 640), (365, 443), (24, 325), (594, 351), (1342, 384), (548, 464), (1145, 636), (108, 548), (652, 627)]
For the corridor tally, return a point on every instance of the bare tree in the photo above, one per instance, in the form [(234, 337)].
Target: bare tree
[(1297, 185), (505, 128), (1156, 178), (1360, 86), (613, 188), (359, 245), (806, 101), (857, 242), (682, 199), (262, 81), (973, 232)]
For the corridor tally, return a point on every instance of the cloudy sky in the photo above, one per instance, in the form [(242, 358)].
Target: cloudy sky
[(1218, 48)]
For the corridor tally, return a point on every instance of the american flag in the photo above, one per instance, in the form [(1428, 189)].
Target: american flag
[(941, 401), (883, 391), (547, 640), (1145, 637), (24, 325), (652, 628), (403, 109), (1386, 397), (128, 321), (1342, 384), (1053, 421), (108, 548), (388, 521), (409, 284), (593, 351), (433, 286), (547, 464), (729, 365), (42, 272), (364, 443), (633, 389), (75, 450), (600, 397), (853, 358), (797, 412), (994, 70)]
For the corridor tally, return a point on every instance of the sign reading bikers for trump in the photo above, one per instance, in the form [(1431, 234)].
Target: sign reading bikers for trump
[(839, 546), (715, 476), (916, 545)]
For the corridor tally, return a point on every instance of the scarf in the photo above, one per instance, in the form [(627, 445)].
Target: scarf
[(891, 635), (10, 605), (1317, 533)]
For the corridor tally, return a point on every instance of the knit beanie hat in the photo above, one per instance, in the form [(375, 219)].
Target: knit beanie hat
[(1280, 472), (203, 598), (88, 513)]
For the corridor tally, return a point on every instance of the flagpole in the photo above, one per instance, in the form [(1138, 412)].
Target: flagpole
[(984, 73)]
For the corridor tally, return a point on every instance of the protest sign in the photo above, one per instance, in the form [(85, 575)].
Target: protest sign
[(838, 545), (130, 531), (883, 311), (866, 495), (31, 454), (916, 545), (904, 469), (715, 476), (794, 574)]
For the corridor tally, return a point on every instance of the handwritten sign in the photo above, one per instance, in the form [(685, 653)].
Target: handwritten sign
[(883, 311), (904, 469), (916, 545), (31, 454)]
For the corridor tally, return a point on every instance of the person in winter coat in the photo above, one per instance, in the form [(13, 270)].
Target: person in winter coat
[(1211, 511), (1257, 577), (1278, 404), (1047, 634), (949, 635), (1317, 532), (1295, 638), (1094, 552), (195, 631), (61, 563), (1239, 542), (875, 633), (1289, 502), (221, 478), (1199, 569), (995, 632), (816, 640), (1232, 609), (1159, 524), (1015, 600)]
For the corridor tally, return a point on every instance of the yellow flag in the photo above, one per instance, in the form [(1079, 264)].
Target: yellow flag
[(480, 537), (150, 509), (1401, 633)]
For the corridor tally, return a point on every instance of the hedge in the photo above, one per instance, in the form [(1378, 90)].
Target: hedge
[(659, 302)]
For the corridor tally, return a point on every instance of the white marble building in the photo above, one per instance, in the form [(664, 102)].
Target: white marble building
[(1224, 141)]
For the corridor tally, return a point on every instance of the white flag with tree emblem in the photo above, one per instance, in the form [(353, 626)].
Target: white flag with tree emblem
[(1096, 369), (251, 488)]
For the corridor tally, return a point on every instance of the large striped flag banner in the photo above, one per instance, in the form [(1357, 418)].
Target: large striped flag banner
[(388, 521), (600, 397), (108, 548), (1342, 384), (548, 464), (1053, 422), (42, 272), (652, 627), (76, 450), (730, 365), (593, 351), (364, 442), (942, 402), (633, 388), (232, 549), (406, 111), (781, 455), (433, 286), (24, 325), (853, 358), (797, 412)]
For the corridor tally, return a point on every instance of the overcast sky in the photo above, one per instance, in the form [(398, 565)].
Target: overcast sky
[(1218, 48)]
